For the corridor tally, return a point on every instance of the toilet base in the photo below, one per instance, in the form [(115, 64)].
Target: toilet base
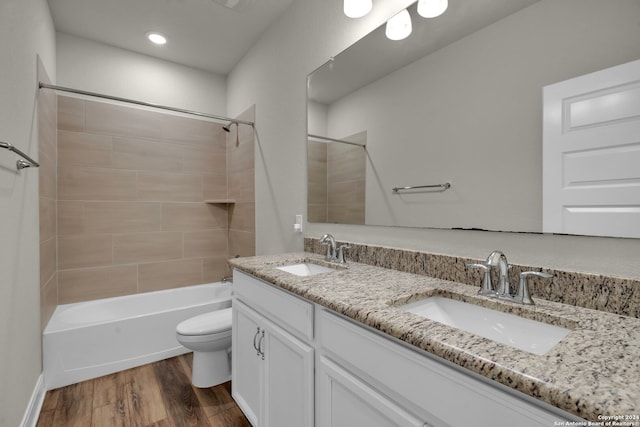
[(210, 368)]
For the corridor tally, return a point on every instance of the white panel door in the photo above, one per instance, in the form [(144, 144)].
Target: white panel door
[(591, 154)]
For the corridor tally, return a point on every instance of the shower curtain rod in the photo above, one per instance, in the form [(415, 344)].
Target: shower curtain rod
[(145, 104)]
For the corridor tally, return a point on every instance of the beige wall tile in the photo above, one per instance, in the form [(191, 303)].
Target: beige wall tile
[(47, 260), (202, 244), (121, 217), (241, 243), (96, 184), (47, 177), (145, 154), (203, 160), (47, 208), (84, 149), (169, 274), (95, 283), (170, 187), (193, 216), (242, 216), (214, 186), (48, 300), (185, 130), (242, 186), (215, 268), (70, 113), (71, 217), (84, 251), (117, 120), (146, 247)]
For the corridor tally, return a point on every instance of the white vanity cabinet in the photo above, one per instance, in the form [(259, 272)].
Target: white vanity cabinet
[(301, 365), (397, 386), (272, 365)]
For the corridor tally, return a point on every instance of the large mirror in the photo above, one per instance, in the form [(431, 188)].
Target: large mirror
[(459, 101)]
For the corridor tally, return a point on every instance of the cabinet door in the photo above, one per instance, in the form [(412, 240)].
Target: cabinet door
[(289, 381), (247, 365), (345, 401)]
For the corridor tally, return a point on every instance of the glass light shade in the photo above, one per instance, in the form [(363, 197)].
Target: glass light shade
[(432, 8), (357, 8), (399, 26), (156, 38)]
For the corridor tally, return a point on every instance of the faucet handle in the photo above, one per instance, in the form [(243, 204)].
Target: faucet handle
[(487, 287), (340, 255), (523, 296)]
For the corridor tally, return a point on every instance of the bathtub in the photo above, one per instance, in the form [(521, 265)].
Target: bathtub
[(90, 339)]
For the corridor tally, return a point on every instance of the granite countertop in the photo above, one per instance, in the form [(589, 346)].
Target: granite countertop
[(594, 371)]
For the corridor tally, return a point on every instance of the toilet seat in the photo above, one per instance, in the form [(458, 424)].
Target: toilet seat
[(217, 324)]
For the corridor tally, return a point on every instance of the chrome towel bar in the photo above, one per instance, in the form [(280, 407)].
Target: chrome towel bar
[(438, 187), (20, 164)]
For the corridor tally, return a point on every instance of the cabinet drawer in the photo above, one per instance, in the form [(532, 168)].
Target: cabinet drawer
[(288, 311), (423, 383)]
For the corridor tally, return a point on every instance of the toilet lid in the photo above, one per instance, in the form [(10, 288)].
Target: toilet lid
[(208, 323)]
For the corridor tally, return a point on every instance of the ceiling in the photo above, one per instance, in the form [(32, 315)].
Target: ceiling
[(211, 35)]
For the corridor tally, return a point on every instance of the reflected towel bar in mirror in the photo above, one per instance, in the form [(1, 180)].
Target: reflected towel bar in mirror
[(437, 187)]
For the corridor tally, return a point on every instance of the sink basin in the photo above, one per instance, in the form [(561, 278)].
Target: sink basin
[(524, 334), (305, 269)]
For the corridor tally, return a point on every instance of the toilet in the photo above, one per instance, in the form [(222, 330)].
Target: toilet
[(209, 336)]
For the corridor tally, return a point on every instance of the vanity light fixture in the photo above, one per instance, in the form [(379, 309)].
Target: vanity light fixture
[(156, 38), (432, 8), (357, 8), (399, 26)]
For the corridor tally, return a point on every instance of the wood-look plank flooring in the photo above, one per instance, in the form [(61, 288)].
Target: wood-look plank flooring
[(159, 394)]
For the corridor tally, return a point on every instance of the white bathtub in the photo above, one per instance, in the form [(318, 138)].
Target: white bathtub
[(89, 339)]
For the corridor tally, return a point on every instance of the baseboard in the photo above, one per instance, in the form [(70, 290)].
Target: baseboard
[(30, 418)]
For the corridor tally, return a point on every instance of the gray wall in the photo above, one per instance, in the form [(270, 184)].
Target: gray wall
[(273, 76), (26, 30)]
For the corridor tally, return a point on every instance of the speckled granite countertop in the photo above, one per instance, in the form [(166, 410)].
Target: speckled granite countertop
[(594, 371)]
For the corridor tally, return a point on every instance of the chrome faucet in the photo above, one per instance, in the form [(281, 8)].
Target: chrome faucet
[(334, 253), (499, 259), (329, 241), (503, 290)]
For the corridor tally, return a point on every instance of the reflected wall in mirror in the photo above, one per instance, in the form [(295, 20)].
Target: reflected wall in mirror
[(336, 179), (460, 100)]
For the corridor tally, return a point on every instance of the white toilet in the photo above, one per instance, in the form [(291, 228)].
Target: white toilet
[(209, 336)]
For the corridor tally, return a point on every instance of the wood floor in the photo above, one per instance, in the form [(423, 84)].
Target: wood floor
[(159, 394)]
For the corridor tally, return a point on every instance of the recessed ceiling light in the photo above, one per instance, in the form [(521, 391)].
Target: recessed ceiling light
[(156, 38)]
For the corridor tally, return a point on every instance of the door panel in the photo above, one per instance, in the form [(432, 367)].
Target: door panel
[(591, 154)]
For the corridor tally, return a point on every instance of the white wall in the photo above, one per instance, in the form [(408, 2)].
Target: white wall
[(273, 77), (97, 67), (26, 30)]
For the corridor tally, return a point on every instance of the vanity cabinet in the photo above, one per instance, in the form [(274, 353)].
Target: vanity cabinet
[(299, 364), (408, 386), (272, 368)]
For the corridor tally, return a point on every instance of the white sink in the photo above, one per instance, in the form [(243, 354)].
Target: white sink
[(305, 269), (524, 334)]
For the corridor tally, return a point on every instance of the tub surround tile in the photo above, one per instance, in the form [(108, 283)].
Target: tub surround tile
[(70, 113), (169, 274), (147, 247), (95, 283), (591, 372), (125, 187), (610, 294), (84, 251)]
